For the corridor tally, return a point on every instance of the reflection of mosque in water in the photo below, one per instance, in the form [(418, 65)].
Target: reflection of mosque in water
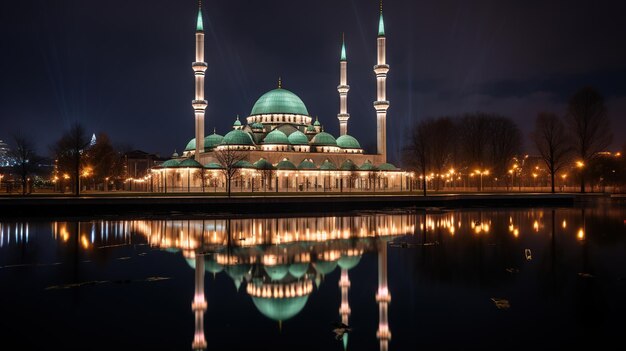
[(281, 259)]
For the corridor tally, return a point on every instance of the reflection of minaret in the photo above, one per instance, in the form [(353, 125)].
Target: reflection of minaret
[(344, 310), (383, 298), (198, 306)]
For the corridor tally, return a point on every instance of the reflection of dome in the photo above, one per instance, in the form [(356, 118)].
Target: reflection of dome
[(298, 270), (349, 262), (324, 139), (237, 273), (325, 267), (277, 272), (237, 137), (211, 266), (280, 309), (279, 101)]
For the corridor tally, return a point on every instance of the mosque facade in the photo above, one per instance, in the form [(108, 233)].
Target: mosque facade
[(279, 145)]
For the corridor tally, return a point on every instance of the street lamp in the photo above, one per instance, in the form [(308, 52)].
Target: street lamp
[(481, 173)]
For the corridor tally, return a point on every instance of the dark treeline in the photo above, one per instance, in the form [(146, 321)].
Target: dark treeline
[(483, 148)]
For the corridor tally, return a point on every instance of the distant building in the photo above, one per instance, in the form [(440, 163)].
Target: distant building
[(137, 163), (4, 154)]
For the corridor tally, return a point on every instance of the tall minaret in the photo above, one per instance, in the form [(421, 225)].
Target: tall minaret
[(198, 306), (199, 67), (383, 298), (381, 104), (343, 89)]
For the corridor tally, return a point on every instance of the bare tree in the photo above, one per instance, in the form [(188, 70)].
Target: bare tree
[(504, 142), (229, 158), (104, 159), (68, 152), (443, 131), (26, 159), (551, 140), (589, 125), (418, 153)]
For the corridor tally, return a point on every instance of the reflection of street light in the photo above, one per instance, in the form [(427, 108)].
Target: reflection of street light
[(580, 164), (535, 180)]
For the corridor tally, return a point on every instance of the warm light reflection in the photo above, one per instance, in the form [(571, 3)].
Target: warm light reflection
[(564, 224), (581, 234)]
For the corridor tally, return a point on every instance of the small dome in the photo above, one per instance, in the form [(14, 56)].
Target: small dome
[(317, 122), (243, 164), (237, 122), (328, 166), (213, 165), (367, 166), (298, 138), (212, 141), (307, 165), (324, 139), (348, 142), (387, 167), (280, 309), (310, 129), (276, 137), (191, 145), (212, 266), (257, 125), (170, 164), (285, 164), (325, 267), (263, 164), (190, 163), (348, 165), (279, 101), (237, 137)]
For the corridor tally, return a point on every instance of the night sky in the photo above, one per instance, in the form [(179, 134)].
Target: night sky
[(124, 67)]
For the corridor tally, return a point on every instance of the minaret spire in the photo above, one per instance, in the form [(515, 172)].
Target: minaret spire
[(199, 67), (343, 89), (381, 104)]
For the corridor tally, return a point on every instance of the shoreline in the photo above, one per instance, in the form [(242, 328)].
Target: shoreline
[(177, 205)]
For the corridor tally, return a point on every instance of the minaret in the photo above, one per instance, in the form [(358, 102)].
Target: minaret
[(343, 89), (383, 298), (199, 67), (198, 306), (381, 104)]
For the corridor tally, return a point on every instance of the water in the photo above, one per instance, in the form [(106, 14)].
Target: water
[(465, 279)]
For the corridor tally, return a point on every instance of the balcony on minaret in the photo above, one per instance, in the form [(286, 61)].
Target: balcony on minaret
[(199, 67), (199, 105), (199, 342), (343, 89), (381, 105), (345, 309), (381, 69), (199, 303), (343, 117), (383, 295), (383, 333)]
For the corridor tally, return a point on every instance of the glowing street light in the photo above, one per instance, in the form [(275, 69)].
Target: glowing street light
[(481, 173), (580, 164)]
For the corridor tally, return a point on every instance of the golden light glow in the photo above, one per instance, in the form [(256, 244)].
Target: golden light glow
[(536, 226), (580, 164), (84, 242), (581, 234), (516, 232), (564, 224)]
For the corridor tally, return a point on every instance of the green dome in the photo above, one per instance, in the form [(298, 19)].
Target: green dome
[(191, 145), (324, 139), (348, 165), (387, 167), (317, 123), (325, 267), (328, 166), (367, 166), (213, 165), (277, 272), (298, 138), (170, 164), (237, 137), (257, 125), (310, 128), (348, 142), (349, 262), (190, 163), (263, 164), (306, 164), (298, 270), (280, 309), (285, 164), (237, 122), (212, 141), (243, 164), (279, 101), (276, 137)]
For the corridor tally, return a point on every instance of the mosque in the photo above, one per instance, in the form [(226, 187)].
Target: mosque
[(281, 136)]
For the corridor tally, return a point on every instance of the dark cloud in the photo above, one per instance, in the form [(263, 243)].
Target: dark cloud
[(124, 67)]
